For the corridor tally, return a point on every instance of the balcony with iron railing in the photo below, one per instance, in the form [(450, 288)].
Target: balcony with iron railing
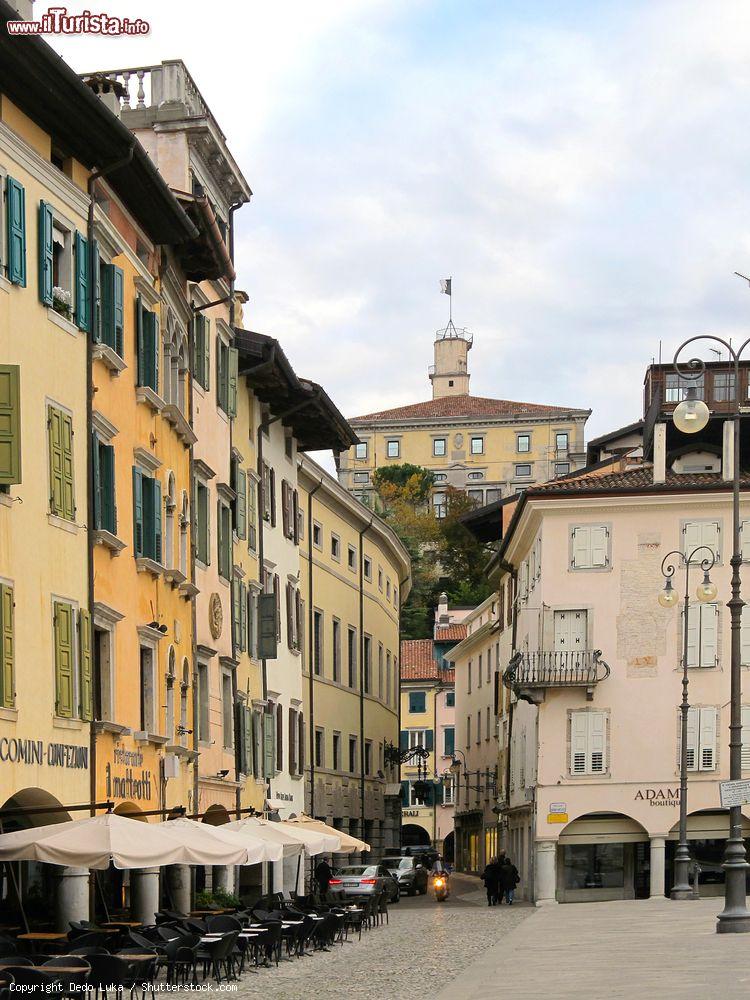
[(529, 674)]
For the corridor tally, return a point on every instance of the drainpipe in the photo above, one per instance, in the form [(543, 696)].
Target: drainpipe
[(96, 680), (362, 676), (398, 703), (193, 611), (311, 643)]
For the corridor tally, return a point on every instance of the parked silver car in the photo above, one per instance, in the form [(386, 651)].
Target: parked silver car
[(411, 875), (361, 880)]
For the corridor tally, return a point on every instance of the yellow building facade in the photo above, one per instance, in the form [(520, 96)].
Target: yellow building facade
[(488, 448), (355, 574)]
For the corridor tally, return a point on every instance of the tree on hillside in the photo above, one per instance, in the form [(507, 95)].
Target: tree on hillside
[(444, 554)]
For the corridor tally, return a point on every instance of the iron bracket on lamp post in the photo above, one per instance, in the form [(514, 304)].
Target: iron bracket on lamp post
[(668, 599), (691, 416)]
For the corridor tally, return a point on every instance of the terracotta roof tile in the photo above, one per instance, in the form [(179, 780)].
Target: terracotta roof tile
[(637, 479), (450, 633), (466, 406), (418, 663)]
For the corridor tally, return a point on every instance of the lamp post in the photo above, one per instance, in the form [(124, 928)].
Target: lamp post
[(691, 416), (704, 557)]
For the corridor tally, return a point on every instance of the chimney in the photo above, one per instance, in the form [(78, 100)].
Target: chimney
[(109, 91), (660, 453), (442, 616)]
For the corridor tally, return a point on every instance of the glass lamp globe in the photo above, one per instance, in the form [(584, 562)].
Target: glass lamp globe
[(668, 597), (707, 590), (691, 415)]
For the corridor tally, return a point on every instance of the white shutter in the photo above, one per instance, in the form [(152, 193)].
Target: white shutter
[(581, 548), (709, 635), (692, 738), (745, 636), (599, 545), (746, 737), (745, 541), (711, 536), (693, 536), (693, 634), (562, 629), (597, 744), (707, 744), (539, 556), (578, 742)]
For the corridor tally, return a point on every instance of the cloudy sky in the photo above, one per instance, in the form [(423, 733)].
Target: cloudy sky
[(580, 168)]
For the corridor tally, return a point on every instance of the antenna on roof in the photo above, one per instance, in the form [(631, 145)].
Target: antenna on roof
[(660, 351)]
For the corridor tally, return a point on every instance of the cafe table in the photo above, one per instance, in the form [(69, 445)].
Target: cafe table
[(121, 923), (36, 938)]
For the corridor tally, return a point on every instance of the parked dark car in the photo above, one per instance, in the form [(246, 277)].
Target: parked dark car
[(410, 873)]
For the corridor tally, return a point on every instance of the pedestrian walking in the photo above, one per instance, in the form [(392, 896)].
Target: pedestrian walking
[(491, 878), (323, 875), (508, 879)]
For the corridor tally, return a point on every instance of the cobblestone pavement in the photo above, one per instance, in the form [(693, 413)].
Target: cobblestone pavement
[(425, 945)]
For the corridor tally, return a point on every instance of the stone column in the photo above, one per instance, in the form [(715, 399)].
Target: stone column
[(144, 894), (546, 872), (72, 897), (658, 853), (222, 878), (178, 877)]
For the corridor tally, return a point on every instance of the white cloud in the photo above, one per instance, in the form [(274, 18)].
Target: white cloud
[(579, 169)]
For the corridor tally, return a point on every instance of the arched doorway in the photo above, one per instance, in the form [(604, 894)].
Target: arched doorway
[(449, 847), (413, 835), (603, 856), (32, 881), (707, 833)]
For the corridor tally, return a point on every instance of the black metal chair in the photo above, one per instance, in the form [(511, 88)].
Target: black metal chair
[(90, 950), (219, 955), (108, 972), (20, 960), (71, 982), (34, 981)]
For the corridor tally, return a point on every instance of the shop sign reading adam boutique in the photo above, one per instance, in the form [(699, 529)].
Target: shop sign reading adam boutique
[(659, 796)]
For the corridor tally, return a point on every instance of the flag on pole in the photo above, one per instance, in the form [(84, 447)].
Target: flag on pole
[(445, 285)]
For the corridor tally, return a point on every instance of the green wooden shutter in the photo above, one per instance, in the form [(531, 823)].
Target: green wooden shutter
[(156, 488), (241, 490), (137, 511), (96, 319), (7, 650), (108, 305), (62, 495), (63, 625), (107, 479), (222, 375), (232, 355), (96, 480), (202, 546), (247, 719), (140, 341), (429, 737), (45, 253), (82, 286), (269, 743), (10, 425), (16, 226), (236, 613), (84, 665), (69, 502), (206, 383), (239, 728), (155, 351), (243, 616), (118, 309), (267, 644)]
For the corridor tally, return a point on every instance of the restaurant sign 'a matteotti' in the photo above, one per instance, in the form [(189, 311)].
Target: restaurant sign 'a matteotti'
[(658, 796)]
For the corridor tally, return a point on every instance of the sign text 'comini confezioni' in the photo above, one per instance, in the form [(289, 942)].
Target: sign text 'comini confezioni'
[(36, 752)]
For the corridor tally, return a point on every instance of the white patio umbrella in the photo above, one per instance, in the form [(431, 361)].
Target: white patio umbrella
[(94, 842), (292, 841), (255, 848), (349, 844), (331, 838)]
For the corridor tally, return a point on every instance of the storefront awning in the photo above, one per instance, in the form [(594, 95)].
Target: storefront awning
[(349, 844), (293, 842)]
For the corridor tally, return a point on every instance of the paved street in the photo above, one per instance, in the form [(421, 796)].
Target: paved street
[(425, 945), (650, 950)]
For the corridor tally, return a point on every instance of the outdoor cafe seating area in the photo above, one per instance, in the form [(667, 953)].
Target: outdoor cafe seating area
[(183, 949), (119, 953)]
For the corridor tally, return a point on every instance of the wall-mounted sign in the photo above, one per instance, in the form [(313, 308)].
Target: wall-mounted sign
[(557, 817), (410, 812), (215, 616), (558, 807), (125, 778), (658, 796), (37, 752), (734, 793)]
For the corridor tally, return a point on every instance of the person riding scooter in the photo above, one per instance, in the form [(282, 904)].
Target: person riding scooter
[(439, 880)]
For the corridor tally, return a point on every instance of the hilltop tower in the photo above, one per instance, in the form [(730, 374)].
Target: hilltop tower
[(450, 372)]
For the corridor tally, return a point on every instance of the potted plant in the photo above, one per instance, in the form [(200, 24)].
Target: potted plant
[(61, 301)]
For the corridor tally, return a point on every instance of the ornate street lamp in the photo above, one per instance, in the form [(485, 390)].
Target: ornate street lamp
[(704, 557), (690, 416)]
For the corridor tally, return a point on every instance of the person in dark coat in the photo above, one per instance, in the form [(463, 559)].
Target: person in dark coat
[(323, 875), (509, 879), (491, 878)]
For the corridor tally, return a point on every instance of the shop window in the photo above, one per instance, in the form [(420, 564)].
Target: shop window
[(593, 866)]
